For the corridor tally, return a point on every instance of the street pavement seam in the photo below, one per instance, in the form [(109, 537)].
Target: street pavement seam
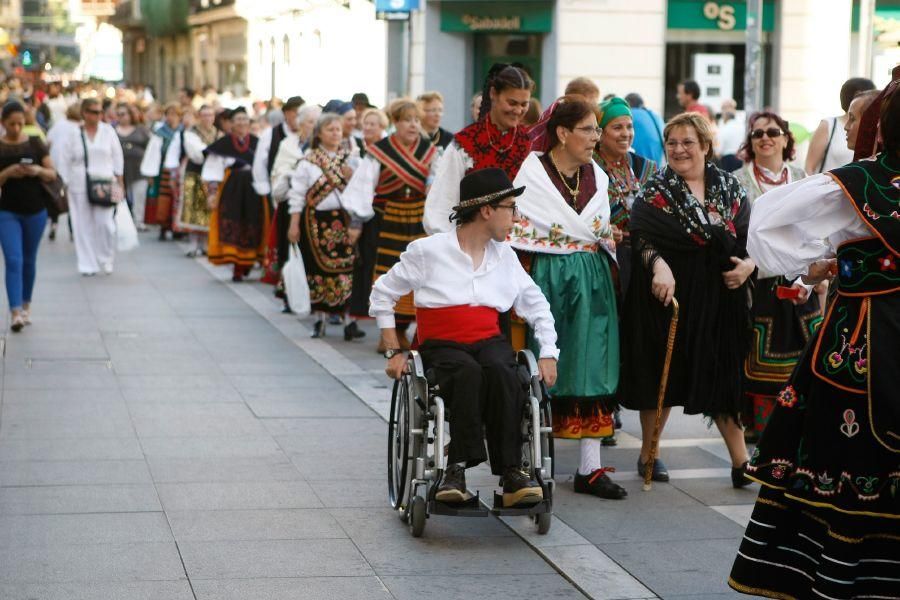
[(588, 568)]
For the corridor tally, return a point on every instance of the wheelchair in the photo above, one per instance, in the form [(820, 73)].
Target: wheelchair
[(416, 459)]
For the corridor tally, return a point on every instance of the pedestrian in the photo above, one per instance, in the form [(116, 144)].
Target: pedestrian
[(192, 209), (134, 138), (56, 140), (94, 153), (781, 327), (688, 235), (585, 87), (628, 172), (319, 210), (730, 136), (306, 122), (688, 96), (239, 216), (160, 165), (24, 164), (828, 148), (391, 180), (496, 139), (648, 128), (565, 230), (827, 520), (431, 104)]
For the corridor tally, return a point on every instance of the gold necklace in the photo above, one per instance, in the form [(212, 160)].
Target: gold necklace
[(573, 193)]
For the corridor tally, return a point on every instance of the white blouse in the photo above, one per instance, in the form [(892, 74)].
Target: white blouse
[(214, 167), (261, 176), (286, 161), (194, 147), (303, 178), (442, 275), (444, 192), (150, 164), (795, 225), (105, 159)]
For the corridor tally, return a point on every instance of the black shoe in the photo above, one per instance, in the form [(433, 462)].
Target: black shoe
[(319, 329), (737, 476), (287, 309), (352, 332), (519, 489), (237, 278), (162, 234), (599, 484), (660, 473), (609, 441), (617, 419), (453, 486), (335, 319), (52, 235)]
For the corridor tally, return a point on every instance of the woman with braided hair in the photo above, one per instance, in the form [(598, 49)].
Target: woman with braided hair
[(497, 139)]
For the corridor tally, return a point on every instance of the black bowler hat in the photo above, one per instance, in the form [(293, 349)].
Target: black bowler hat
[(482, 187)]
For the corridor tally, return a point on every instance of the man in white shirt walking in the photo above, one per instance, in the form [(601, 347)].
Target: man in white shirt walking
[(463, 280)]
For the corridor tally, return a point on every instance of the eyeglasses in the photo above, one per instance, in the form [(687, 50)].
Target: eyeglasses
[(93, 111), (686, 144), (512, 207), (588, 130), (772, 132)]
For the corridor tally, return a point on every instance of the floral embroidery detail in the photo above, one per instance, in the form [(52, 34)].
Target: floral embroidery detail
[(658, 201), (849, 427), (779, 470), (835, 360), (556, 235), (787, 397), (888, 263), (867, 484), (870, 213), (859, 365)]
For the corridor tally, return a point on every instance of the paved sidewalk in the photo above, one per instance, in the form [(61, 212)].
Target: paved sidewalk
[(160, 439)]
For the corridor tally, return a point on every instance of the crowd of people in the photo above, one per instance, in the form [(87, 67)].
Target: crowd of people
[(615, 214)]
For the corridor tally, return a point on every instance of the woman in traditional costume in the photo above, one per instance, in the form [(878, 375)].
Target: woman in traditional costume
[(192, 210), (321, 221), (688, 234), (781, 327), (566, 233), (392, 180), (827, 520), (496, 139), (239, 216), (628, 173), (160, 164)]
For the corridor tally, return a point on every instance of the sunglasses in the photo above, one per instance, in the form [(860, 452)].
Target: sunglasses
[(91, 111), (772, 132)]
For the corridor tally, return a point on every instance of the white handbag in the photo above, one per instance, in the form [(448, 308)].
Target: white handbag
[(295, 285), (126, 232)]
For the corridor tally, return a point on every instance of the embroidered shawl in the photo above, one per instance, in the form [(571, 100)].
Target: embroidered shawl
[(626, 178), (331, 179), (402, 166), (487, 147)]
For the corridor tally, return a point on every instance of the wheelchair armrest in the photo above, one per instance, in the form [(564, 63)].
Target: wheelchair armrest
[(417, 368), (526, 359)]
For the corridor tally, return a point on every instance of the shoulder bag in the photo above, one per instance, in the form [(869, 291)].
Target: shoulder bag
[(99, 189)]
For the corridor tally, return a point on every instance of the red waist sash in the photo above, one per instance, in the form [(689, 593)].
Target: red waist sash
[(461, 324)]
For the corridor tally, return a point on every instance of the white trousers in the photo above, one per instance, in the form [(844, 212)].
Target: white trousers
[(95, 233), (138, 193)]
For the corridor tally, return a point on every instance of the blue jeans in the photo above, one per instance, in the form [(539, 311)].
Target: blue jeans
[(20, 236)]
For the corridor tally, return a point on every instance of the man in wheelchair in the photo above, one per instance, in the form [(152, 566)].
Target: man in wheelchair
[(462, 280)]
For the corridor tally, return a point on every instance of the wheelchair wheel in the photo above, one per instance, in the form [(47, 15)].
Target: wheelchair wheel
[(543, 521), (547, 421), (417, 516), (398, 444)]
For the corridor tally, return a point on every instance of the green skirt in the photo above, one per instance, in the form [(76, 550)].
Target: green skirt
[(579, 287)]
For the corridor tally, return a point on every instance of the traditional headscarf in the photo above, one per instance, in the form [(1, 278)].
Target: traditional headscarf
[(867, 136), (613, 108), (339, 107), (540, 141)]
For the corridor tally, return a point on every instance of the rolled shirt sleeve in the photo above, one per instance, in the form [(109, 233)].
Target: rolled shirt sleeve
[(393, 285)]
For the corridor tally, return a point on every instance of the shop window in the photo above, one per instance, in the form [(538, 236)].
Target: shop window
[(492, 48)]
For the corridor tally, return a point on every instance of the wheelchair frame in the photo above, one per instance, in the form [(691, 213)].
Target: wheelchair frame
[(416, 460)]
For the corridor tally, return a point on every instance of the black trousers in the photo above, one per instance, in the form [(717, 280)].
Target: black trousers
[(483, 395)]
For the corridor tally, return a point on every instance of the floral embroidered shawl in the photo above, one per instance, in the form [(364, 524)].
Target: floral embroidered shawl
[(331, 178)]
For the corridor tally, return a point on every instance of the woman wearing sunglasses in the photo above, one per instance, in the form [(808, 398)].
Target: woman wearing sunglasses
[(781, 327)]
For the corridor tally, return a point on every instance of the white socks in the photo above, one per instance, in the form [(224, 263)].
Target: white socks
[(590, 455)]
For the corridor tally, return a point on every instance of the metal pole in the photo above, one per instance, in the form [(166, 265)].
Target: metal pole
[(753, 65), (866, 38)]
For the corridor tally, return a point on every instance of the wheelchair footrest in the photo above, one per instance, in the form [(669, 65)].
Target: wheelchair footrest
[(544, 506), (470, 508)]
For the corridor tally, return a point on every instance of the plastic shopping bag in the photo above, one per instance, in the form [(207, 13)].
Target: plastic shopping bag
[(126, 232), (295, 284)]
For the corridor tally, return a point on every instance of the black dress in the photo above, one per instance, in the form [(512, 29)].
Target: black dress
[(697, 243)]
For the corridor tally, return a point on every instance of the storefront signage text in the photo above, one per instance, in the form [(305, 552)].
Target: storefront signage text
[(722, 14), (475, 23)]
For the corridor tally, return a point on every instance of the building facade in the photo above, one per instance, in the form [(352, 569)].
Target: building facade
[(647, 46)]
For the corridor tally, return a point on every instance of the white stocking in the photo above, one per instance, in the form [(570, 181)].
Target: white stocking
[(590, 455)]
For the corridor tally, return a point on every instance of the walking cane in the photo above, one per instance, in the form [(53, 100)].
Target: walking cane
[(663, 381)]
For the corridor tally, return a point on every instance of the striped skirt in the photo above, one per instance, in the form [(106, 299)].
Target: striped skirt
[(399, 223)]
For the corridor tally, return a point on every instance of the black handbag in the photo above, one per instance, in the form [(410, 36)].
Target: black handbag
[(57, 196), (99, 190)]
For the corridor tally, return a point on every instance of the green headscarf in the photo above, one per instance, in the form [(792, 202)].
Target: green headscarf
[(613, 108)]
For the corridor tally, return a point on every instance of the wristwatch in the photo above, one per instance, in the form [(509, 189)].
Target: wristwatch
[(391, 352)]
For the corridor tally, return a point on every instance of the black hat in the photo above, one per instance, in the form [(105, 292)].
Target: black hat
[(483, 187), (293, 103), (361, 98)]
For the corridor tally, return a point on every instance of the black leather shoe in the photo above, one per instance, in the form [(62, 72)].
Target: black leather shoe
[(660, 472), (609, 441), (352, 332), (453, 486), (737, 476), (519, 489), (319, 329), (599, 484)]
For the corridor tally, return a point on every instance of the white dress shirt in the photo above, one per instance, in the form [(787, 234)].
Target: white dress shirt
[(261, 180), (105, 159), (441, 275), (795, 225)]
